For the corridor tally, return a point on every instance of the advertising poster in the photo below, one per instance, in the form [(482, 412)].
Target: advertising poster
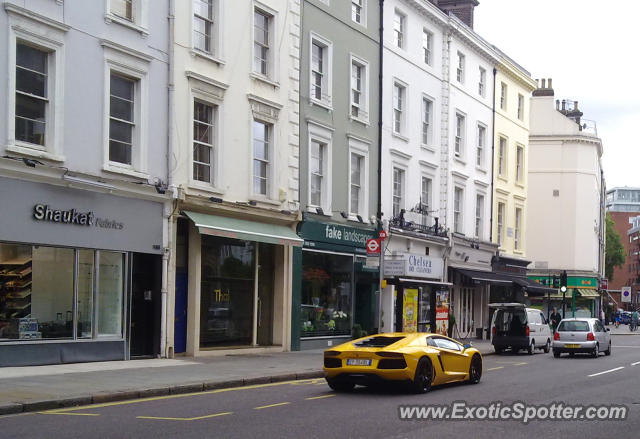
[(410, 310), (442, 312)]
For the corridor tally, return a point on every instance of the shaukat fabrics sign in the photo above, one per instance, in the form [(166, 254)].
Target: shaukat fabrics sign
[(411, 265)]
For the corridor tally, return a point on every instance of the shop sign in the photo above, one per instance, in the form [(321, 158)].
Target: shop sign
[(423, 266), (335, 234), (42, 212), (410, 310), (572, 281)]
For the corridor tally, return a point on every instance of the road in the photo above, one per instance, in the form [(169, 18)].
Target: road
[(309, 409)]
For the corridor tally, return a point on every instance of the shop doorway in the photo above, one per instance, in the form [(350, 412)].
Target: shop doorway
[(145, 305), (365, 302), (266, 275)]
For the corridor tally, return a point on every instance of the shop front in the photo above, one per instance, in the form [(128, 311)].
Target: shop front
[(335, 289), (236, 290), (581, 299), (80, 275)]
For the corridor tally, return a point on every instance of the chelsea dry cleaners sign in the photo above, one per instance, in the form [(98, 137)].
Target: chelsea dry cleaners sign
[(42, 212), (414, 266)]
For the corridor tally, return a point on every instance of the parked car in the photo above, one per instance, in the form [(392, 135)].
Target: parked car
[(581, 336), (516, 327)]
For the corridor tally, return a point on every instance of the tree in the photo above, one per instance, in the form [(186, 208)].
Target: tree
[(614, 254)]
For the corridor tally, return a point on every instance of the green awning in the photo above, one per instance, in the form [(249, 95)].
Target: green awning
[(584, 292), (244, 229)]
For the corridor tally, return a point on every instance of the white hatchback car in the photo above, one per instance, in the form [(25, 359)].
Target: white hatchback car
[(515, 327), (581, 336)]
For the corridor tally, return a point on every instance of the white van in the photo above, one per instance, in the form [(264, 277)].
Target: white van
[(515, 327)]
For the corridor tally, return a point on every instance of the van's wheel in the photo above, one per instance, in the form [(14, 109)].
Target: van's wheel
[(340, 385), (498, 350), (424, 376), (547, 346), (608, 351), (475, 369), (531, 347), (594, 353)]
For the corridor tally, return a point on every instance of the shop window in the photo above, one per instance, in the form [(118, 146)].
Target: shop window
[(110, 293), (86, 276), (327, 294)]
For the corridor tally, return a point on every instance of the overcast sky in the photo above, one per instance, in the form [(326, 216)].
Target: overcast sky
[(590, 49)]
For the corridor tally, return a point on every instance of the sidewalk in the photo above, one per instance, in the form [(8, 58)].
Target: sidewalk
[(34, 388), (622, 330)]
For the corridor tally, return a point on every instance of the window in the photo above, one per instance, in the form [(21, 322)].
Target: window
[(359, 88), (110, 293), (482, 83), (203, 141), (502, 157), (399, 29), (519, 163), (398, 191), (520, 107), (503, 96), (399, 92), (500, 235), (262, 42), (425, 195), (358, 11), (122, 9), (482, 138), (460, 69), (427, 111), (517, 229), (32, 103), (203, 25), (457, 209), (316, 167), (479, 212), (261, 157), (320, 70), (459, 144), (427, 46), (121, 118), (357, 183)]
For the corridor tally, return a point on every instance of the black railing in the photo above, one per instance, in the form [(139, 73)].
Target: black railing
[(417, 222)]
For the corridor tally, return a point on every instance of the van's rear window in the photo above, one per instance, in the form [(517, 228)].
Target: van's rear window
[(574, 326), (379, 341)]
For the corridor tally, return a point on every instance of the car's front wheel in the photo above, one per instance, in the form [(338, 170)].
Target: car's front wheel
[(547, 346), (340, 385), (475, 369), (423, 377)]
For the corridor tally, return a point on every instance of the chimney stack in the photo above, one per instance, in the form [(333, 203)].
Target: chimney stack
[(545, 87), (463, 9)]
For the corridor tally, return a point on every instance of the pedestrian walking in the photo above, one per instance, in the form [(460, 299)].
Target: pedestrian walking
[(555, 318), (603, 318)]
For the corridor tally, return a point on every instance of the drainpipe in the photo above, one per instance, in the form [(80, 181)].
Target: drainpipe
[(379, 207), (493, 149)]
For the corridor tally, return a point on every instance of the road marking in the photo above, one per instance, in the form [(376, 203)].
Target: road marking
[(496, 368), (271, 405), (321, 397), (636, 363), (606, 371), (196, 418), (69, 414), (521, 364)]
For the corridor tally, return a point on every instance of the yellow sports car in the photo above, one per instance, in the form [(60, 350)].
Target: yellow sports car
[(421, 360)]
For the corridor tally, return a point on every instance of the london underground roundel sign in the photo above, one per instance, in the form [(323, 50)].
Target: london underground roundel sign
[(373, 247)]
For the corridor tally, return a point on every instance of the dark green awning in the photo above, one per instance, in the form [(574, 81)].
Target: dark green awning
[(244, 229)]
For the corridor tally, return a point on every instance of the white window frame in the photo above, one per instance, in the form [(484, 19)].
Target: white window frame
[(271, 171), (123, 61), (479, 221), (461, 67), (273, 71), (504, 93), (429, 198), (326, 100), (519, 163), (399, 35), (460, 134), (427, 47), (517, 228), (139, 21), (520, 107), (458, 210), (363, 113), (403, 189), (360, 148), (216, 54), (363, 12), (265, 111), (482, 81), (426, 120), (321, 134), (502, 156), (501, 220), (47, 35), (214, 146), (403, 88), (481, 144)]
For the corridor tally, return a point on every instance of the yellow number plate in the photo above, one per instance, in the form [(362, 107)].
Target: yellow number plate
[(573, 346)]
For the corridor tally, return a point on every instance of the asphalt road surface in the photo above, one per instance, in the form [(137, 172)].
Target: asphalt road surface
[(309, 409)]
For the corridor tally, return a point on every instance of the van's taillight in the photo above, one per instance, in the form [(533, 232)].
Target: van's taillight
[(493, 331), (527, 331), (556, 336), (590, 337)]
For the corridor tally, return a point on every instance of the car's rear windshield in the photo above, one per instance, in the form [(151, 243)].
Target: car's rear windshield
[(574, 326), (510, 320), (379, 341)]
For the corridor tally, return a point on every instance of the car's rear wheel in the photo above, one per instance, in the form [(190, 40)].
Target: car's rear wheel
[(594, 352), (532, 347), (608, 351), (547, 346), (424, 376), (475, 369), (556, 354), (340, 385)]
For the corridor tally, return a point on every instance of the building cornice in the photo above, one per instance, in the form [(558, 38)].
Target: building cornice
[(17, 10)]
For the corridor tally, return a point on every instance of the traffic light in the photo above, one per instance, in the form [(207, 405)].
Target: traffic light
[(556, 281), (563, 281)]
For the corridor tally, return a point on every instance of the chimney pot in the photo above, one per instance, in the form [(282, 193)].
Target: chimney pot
[(564, 105), (550, 82), (544, 83), (575, 103), (558, 104)]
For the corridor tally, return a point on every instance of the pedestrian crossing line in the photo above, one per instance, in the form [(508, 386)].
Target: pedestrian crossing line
[(271, 405), (196, 418), (495, 368), (606, 371), (320, 397), (636, 363)]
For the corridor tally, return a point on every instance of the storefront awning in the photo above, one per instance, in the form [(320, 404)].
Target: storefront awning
[(486, 276), (244, 229), (535, 288), (585, 292)]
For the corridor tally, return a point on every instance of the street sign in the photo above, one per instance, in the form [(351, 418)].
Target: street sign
[(395, 267), (382, 235), (373, 247), (626, 294), (604, 284), (372, 262)]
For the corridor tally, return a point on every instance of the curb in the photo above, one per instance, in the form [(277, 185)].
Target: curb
[(124, 395)]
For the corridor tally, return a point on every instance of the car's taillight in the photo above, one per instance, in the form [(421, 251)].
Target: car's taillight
[(331, 353), (556, 336), (527, 331), (590, 337), (493, 331)]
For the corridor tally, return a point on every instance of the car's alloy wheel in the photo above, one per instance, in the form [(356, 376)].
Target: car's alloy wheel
[(547, 346), (475, 369), (340, 385), (608, 351), (531, 347), (424, 376), (594, 353)]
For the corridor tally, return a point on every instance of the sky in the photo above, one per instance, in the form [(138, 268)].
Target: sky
[(590, 49)]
